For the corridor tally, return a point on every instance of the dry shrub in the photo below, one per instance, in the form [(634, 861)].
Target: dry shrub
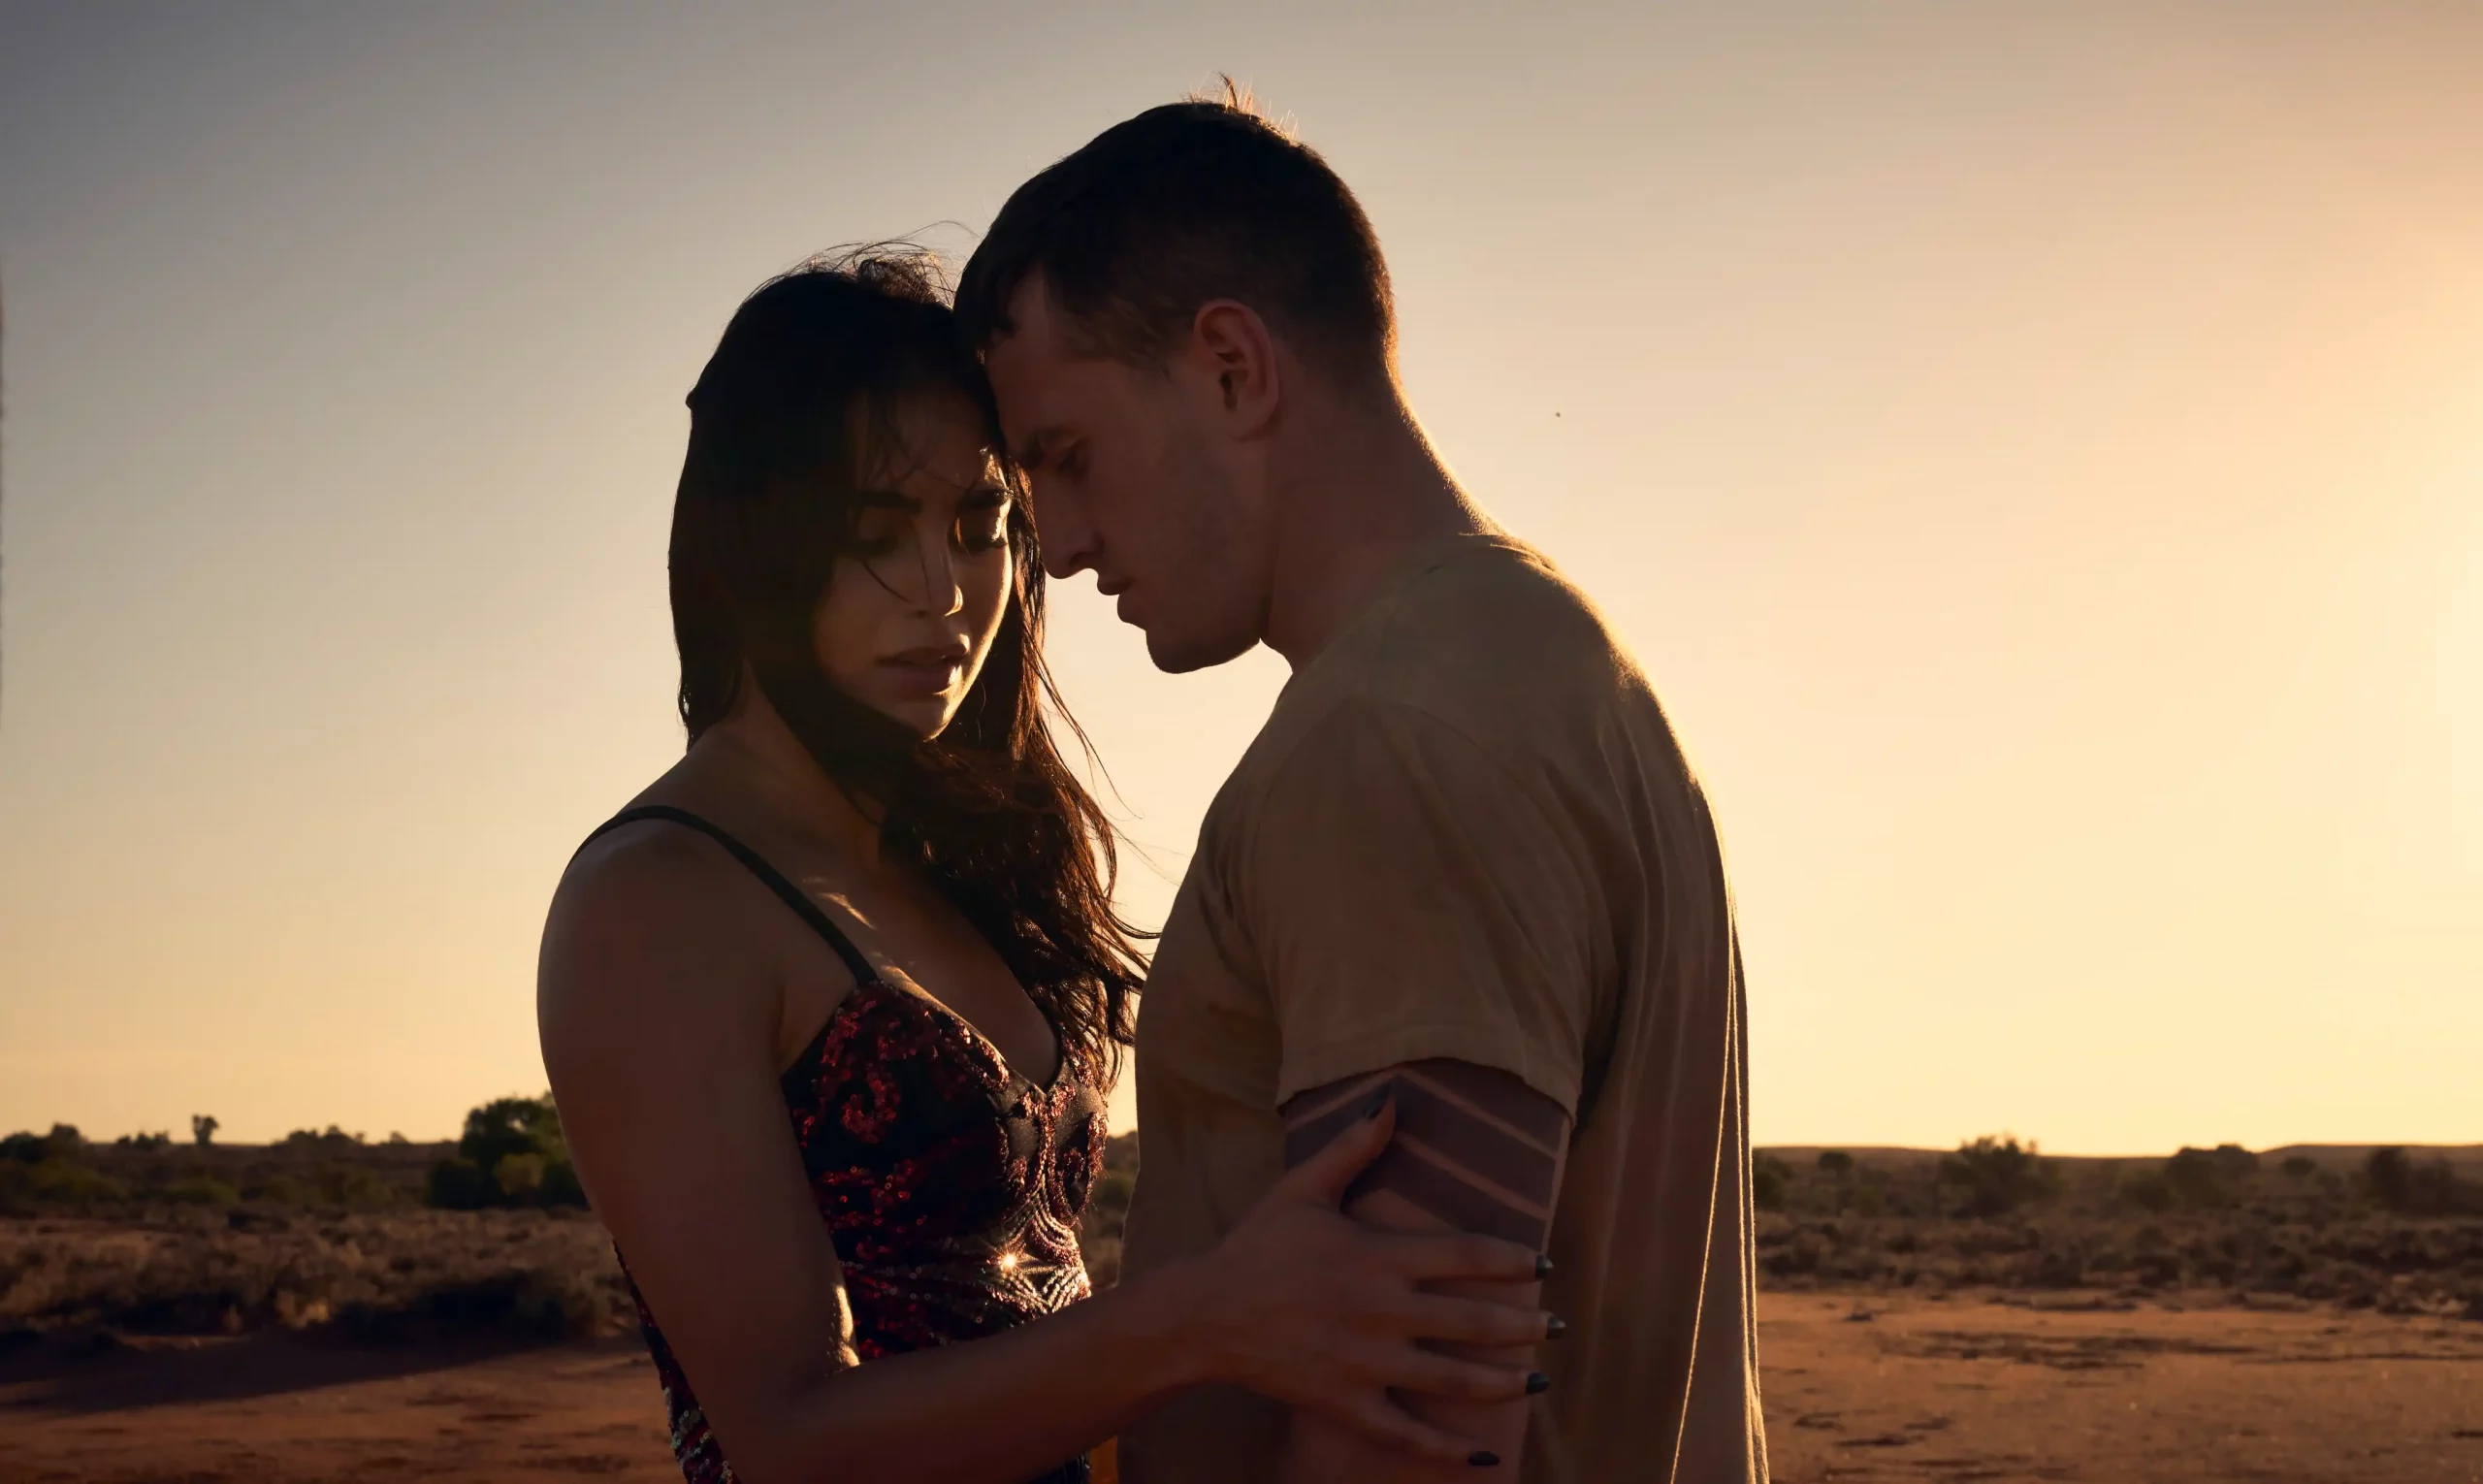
[(398, 1273)]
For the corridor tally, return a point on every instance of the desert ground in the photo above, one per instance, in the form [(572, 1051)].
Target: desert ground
[(1858, 1387), (328, 1308)]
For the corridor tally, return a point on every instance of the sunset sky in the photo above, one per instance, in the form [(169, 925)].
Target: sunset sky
[(2037, 453)]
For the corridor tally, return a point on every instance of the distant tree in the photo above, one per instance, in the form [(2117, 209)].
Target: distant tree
[(520, 1179), (63, 1143), (2207, 1178), (2389, 1176), (1836, 1162), (2428, 1189), (203, 1129), (1997, 1175), (1769, 1180), (507, 1126), (2299, 1167), (511, 1153), (560, 1186)]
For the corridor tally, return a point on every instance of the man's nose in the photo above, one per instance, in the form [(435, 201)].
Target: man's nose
[(1062, 529)]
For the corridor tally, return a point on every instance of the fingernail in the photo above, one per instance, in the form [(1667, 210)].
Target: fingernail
[(1483, 1458), (1554, 1327), (1378, 1102), (1537, 1383), (1542, 1265)]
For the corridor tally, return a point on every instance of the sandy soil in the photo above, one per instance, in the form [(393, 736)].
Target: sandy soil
[(1909, 1389), (281, 1409), (1943, 1391)]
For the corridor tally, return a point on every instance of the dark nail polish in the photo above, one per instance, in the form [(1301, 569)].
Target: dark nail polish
[(1483, 1458), (1379, 1102), (1542, 1265), (1537, 1383), (1554, 1327)]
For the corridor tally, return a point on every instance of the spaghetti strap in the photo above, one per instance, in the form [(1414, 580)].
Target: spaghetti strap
[(793, 896)]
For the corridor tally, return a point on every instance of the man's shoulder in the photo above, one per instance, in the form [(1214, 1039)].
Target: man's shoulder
[(1485, 647), (1496, 644)]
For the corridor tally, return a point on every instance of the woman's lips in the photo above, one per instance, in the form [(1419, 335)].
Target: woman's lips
[(924, 672)]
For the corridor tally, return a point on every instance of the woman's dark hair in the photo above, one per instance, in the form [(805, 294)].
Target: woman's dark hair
[(805, 386)]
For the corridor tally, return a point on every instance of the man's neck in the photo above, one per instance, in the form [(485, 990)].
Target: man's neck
[(1364, 493)]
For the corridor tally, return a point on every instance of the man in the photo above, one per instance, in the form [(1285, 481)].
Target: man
[(1464, 859)]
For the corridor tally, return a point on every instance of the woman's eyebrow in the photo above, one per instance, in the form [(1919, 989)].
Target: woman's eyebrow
[(1031, 451)]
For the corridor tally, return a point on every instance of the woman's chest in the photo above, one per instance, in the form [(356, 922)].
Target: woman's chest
[(909, 1121)]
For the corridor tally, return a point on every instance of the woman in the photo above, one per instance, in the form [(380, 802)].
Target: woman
[(831, 1009)]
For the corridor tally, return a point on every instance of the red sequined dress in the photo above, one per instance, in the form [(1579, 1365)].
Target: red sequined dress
[(950, 1186)]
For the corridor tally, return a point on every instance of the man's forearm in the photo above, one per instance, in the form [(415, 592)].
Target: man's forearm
[(1475, 1150)]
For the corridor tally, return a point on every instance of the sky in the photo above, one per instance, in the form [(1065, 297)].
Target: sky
[(2036, 452)]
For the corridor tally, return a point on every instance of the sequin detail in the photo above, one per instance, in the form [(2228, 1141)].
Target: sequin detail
[(952, 1189)]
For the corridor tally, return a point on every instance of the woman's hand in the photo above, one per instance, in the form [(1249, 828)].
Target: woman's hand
[(1307, 1306)]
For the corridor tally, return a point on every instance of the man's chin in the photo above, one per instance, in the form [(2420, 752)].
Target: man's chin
[(1179, 653)]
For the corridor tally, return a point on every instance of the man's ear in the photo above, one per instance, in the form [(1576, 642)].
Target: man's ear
[(1230, 343)]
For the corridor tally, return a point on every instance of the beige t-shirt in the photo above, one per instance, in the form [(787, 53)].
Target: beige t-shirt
[(1466, 832)]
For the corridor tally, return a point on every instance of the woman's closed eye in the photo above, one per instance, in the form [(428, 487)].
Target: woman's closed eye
[(983, 520)]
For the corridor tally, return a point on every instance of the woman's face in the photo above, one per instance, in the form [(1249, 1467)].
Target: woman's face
[(912, 609)]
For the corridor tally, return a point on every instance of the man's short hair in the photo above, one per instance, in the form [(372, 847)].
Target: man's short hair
[(1181, 205)]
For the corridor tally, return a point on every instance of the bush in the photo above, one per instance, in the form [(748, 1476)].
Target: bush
[(63, 1143), (560, 1186), (1997, 1175), (1836, 1162), (519, 1178), (1769, 1178), (2430, 1188), (2148, 1191), (201, 1190), (457, 1184), (507, 1126), (2206, 1179), (354, 1188), (53, 1183), (278, 1189)]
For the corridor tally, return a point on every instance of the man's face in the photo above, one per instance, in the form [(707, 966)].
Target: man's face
[(1132, 474)]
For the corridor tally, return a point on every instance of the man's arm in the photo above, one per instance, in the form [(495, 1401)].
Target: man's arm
[(1475, 1150)]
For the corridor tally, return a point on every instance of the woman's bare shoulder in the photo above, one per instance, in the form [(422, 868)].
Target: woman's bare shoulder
[(652, 925)]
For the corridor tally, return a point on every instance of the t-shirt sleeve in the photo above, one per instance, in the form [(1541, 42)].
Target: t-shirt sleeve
[(1412, 896)]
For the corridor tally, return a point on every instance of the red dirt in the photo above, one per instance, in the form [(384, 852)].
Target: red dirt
[(1947, 1389)]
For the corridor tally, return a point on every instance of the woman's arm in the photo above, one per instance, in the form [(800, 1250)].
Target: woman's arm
[(660, 1002)]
